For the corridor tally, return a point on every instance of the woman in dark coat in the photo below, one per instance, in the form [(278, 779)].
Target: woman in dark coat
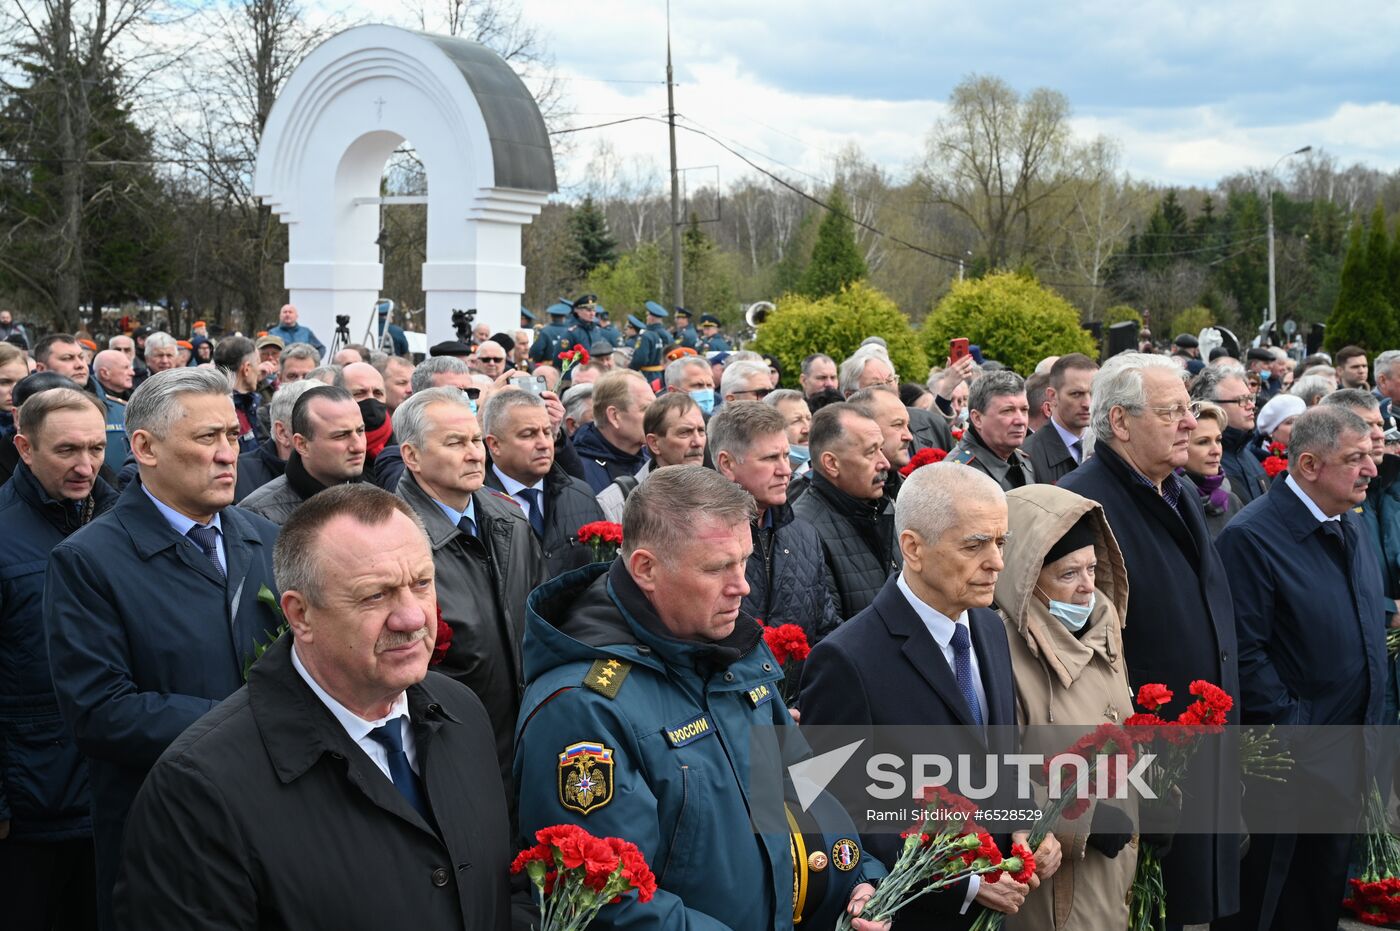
[(1203, 469)]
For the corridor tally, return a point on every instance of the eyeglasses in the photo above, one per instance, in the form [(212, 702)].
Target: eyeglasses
[(1177, 412), (1244, 400), (758, 393), (497, 359)]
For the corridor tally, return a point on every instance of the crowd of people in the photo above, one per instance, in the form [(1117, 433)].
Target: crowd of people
[(227, 566)]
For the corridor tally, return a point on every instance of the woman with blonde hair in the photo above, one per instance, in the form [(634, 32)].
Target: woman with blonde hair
[(1063, 596)]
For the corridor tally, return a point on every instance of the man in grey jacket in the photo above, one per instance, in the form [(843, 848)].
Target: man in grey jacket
[(486, 558), (328, 448)]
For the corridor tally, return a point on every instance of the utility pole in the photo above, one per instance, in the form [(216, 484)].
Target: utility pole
[(678, 286), (1269, 190)]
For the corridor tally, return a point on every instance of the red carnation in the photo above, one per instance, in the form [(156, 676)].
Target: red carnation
[(922, 458), (1020, 851), (1274, 465), (788, 642), (1154, 695), (443, 641), (1278, 449)]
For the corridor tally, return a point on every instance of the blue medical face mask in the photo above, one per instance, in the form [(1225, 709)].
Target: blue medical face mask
[(704, 399), (1073, 616), (1265, 375), (798, 454)]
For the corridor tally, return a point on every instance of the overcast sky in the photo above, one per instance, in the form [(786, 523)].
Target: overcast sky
[(1191, 91)]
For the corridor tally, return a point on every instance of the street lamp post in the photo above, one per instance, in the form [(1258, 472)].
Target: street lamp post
[(1269, 191)]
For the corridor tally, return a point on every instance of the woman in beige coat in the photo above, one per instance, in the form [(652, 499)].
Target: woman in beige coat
[(1063, 595)]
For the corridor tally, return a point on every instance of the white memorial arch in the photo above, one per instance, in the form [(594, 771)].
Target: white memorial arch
[(482, 141)]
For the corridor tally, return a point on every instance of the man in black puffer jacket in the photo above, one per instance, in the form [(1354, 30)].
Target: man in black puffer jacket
[(848, 506), (788, 579), (520, 442), (46, 853)]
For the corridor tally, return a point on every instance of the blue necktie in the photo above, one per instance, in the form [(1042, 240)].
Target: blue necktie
[(532, 495), (467, 526), (207, 539), (962, 667), (390, 737)]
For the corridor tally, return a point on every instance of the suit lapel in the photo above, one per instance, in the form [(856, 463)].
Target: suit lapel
[(922, 652), (991, 663)]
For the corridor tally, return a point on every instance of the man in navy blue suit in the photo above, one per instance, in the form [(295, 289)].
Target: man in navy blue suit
[(1310, 616), (929, 651), (152, 611)]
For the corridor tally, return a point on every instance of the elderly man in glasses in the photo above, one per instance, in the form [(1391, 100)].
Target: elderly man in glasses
[(745, 381), (1226, 385)]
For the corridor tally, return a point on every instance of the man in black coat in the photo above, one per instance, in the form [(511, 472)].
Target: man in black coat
[(46, 861), (152, 611), (519, 436), (1057, 448), (345, 786), (1310, 613), (269, 460), (929, 651), (1181, 625), (613, 444), (848, 507), (487, 559), (789, 582)]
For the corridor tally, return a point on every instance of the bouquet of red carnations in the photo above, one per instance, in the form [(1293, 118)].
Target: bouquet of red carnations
[(576, 874), (789, 645), (922, 458), (604, 536), (957, 848), (1375, 896), (571, 357), (1173, 744)]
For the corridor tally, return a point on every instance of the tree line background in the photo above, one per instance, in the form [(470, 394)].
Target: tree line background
[(129, 130)]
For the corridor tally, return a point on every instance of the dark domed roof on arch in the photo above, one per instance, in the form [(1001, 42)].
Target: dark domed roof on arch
[(519, 141)]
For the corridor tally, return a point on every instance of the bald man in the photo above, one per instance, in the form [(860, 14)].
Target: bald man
[(290, 331), (366, 387), (114, 373)]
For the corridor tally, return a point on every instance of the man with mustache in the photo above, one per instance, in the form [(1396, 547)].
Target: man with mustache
[(674, 431), (486, 557), (998, 416), (345, 786), (152, 610), (1310, 616), (848, 505)]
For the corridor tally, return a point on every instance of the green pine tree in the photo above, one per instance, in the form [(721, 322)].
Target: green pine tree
[(836, 260), (593, 244), (1363, 314)]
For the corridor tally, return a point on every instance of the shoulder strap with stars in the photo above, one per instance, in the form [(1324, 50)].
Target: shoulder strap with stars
[(606, 676), (962, 455)]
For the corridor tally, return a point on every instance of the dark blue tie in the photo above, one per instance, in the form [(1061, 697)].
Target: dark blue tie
[(467, 526), (207, 539), (390, 737), (532, 495), (962, 667)]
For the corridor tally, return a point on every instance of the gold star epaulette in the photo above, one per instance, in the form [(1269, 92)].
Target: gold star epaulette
[(606, 675)]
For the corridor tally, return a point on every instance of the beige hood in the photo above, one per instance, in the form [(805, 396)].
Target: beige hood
[(1038, 516)]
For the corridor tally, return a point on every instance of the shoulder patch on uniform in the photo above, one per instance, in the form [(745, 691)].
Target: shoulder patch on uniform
[(605, 676), (688, 731), (585, 776), (759, 695), (500, 494), (962, 455)]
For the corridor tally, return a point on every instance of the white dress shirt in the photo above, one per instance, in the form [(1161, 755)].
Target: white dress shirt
[(1073, 443), (359, 729), (942, 627), (1308, 502), (513, 488)]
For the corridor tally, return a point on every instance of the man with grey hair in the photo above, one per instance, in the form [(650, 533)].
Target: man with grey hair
[(930, 650), (644, 674), (846, 503), (269, 460), (787, 575), (745, 381), (131, 670), (520, 441), (343, 739), (998, 418), (1142, 418), (161, 354), (578, 407), (1226, 386), (692, 375), (1387, 378), (328, 449), (486, 557), (868, 366), (440, 371), (1310, 617), (1312, 389), (296, 362)]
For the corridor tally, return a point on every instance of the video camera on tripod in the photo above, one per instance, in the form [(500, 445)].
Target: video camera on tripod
[(462, 321)]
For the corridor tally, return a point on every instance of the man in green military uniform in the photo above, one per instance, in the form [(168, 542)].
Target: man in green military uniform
[(711, 339), (685, 334), (553, 337), (644, 684), (650, 354)]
